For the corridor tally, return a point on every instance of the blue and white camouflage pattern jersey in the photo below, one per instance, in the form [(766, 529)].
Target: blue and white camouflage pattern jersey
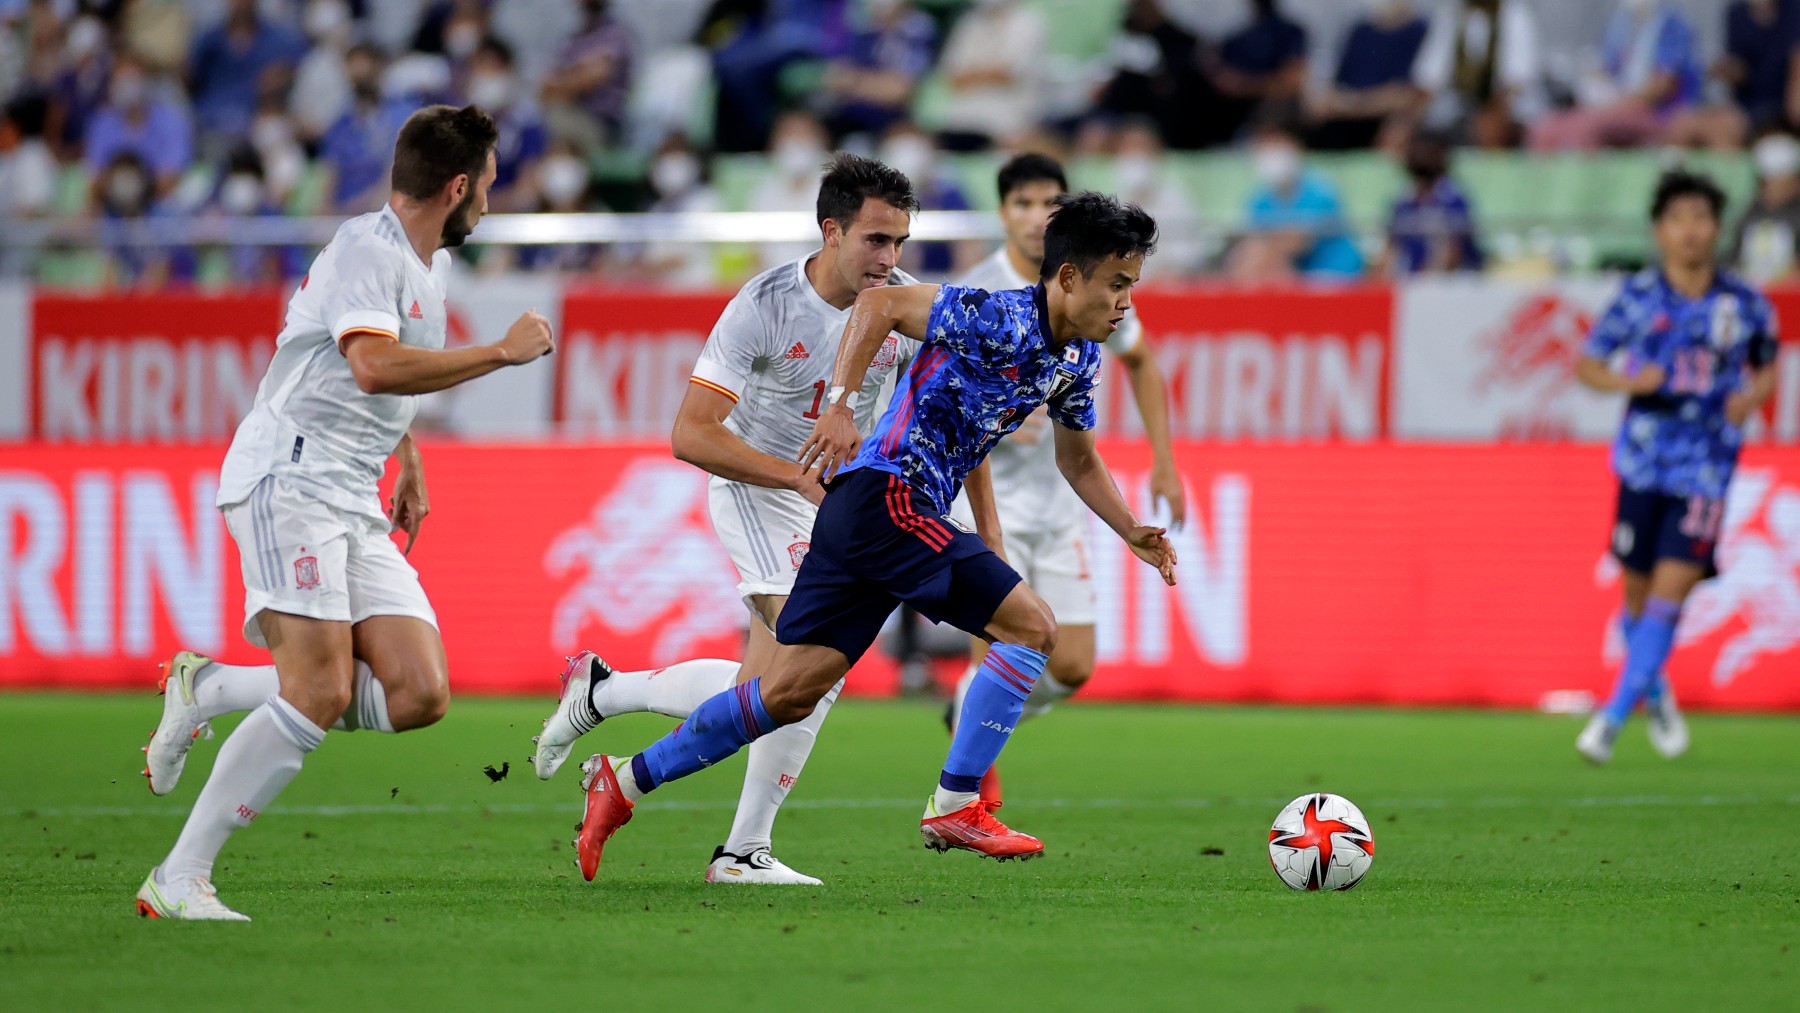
[(1677, 441), (988, 361)]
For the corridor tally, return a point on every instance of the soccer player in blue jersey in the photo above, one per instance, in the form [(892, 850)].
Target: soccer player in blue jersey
[(1694, 348), (884, 536)]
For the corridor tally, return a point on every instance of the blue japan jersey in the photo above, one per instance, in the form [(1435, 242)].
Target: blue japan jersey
[(1677, 440), (987, 363)]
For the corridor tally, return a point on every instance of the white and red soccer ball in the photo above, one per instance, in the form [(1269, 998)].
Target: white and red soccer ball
[(1321, 842)]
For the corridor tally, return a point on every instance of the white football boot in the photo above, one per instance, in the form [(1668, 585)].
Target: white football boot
[(758, 867), (1596, 740), (181, 722), (194, 900), (574, 716), (1668, 730)]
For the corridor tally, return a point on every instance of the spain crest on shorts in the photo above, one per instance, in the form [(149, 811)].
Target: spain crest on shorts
[(797, 553), (306, 573)]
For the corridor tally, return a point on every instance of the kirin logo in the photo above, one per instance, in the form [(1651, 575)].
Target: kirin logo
[(1531, 357)]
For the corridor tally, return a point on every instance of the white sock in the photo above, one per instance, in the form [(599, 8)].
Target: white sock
[(674, 691), (227, 689), (1045, 695), (776, 760), (259, 759), (368, 704), (947, 801), (962, 690), (628, 786)]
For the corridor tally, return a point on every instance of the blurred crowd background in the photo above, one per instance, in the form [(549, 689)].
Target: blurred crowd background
[(1277, 140)]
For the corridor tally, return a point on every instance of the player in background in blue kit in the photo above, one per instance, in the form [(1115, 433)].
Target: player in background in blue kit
[(1698, 350), (883, 534)]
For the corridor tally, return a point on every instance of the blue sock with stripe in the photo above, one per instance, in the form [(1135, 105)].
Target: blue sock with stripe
[(1646, 651), (719, 727), (1628, 624), (990, 712)]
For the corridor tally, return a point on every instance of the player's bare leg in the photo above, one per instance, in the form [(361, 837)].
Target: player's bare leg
[(1024, 633), (315, 663), (774, 765), (802, 675), (1652, 637), (403, 682)]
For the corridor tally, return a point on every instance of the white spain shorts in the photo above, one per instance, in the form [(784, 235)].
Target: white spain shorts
[(304, 557), (1054, 563), (766, 532)]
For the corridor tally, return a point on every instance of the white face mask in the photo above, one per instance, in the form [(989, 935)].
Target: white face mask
[(1776, 156), (461, 40), (491, 91), (325, 17), (675, 173), (86, 36), (129, 91), (270, 133), (563, 178), (799, 158), (126, 189), (1133, 171), (911, 155), (1277, 165), (241, 194)]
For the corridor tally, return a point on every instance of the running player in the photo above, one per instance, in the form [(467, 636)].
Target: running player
[(758, 387), (1698, 347), (883, 535), (1043, 521), (327, 591)]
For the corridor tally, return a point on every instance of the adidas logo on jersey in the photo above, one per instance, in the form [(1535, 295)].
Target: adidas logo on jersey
[(415, 313), (797, 352)]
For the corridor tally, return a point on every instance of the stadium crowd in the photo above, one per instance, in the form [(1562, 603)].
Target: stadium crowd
[(123, 109)]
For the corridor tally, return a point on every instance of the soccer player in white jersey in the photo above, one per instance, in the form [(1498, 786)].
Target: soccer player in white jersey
[(757, 390), (1042, 521), (327, 591)]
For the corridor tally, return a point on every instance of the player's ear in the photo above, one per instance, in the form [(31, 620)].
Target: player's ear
[(459, 188), (1065, 277), (829, 229)]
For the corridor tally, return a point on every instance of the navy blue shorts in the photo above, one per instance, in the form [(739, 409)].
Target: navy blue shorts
[(877, 543), (1652, 526)]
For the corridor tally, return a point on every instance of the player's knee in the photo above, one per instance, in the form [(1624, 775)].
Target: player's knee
[(1036, 629), (789, 703), (322, 702), (1073, 674), (420, 697)]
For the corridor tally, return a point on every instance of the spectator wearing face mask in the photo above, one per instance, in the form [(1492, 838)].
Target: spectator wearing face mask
[(1140, 177), (137, 120), (359, 146), (27, 167), (1646, 72), (993, 65), (678, 178), (585, 95), (237, 62), (561, 183), (321, 91), (79, 88), (798, 148), (243, 193), (125, 195), (1766, 246), (1293, 222), (1432, 228), (493, 84), (911, 151)]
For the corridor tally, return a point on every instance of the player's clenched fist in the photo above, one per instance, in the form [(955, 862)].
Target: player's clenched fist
[(528, 338)]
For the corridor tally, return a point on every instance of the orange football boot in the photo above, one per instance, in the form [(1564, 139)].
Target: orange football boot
[(607, 810), (974, 828)]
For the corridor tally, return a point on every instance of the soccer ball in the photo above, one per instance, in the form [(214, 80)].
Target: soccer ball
[(1321, 842)]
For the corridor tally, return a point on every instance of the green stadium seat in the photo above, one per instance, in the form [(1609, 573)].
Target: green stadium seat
[(71, 191), (1080, 29), (736, 178)]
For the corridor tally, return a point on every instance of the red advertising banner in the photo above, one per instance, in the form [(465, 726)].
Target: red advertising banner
[(1324, 574)]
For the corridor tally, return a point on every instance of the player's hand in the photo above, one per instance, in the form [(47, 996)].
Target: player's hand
[(1739, 407), (1647, 380), (1152, 545), (528, 338), (1165, 487), (807, 484), (833, 442), (409, 504)]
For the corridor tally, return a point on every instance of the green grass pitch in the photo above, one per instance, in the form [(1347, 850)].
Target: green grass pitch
[(395, 874)]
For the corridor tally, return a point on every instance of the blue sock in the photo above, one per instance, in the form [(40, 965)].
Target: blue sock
[(990, 712), (1647, 649), (720, 726)]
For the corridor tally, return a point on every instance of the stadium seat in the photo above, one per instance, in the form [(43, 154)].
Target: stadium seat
[(1080, 29)]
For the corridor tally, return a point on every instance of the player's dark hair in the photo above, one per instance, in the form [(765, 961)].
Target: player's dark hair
[(1678, 183), (497, 48), (1030, 167), (852, 179), (438, 144), (1088, 227)]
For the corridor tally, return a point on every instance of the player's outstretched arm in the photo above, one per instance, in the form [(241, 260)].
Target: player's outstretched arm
[(1151, 392), (980, 486), (1079, 461), (903, 308), (701, 439), (385, 366)]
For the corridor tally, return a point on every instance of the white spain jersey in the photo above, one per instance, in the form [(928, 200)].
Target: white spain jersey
[(310, 424), (1029, 492), (772, 352)]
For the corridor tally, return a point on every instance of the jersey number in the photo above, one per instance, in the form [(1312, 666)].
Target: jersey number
[(818, 396), (1693, 371)]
